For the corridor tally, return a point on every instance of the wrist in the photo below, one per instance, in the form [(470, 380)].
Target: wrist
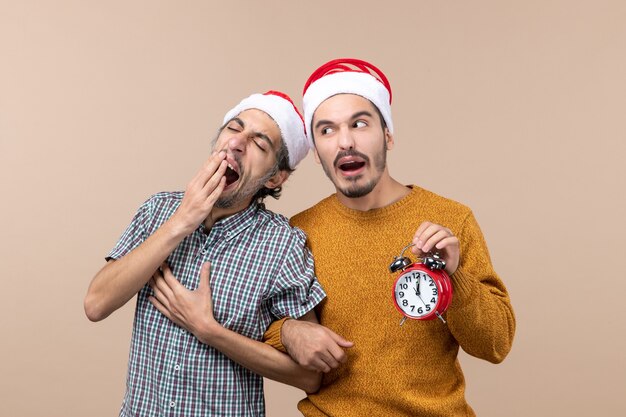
[(179, 227), (209, 332), (285, 329)]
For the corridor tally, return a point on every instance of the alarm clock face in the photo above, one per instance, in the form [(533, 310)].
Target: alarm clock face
[(416, 294)]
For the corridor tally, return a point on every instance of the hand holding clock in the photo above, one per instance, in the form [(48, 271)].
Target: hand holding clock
[(434, 237)]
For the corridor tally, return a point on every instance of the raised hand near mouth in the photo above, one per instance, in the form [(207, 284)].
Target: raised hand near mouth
[(201, 193)]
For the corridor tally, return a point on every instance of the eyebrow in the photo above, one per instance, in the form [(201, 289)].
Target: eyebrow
[(256, 134), (354, 116)]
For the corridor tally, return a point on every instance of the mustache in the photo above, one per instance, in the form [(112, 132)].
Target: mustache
[(237, 159), (350, 152)]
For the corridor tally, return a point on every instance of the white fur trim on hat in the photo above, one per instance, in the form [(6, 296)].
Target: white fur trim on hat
[(286, 117), (350, 82)]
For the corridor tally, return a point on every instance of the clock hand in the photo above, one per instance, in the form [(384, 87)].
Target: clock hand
[(420, 297)]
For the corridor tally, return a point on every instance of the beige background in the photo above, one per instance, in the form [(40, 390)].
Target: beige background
[(514, 108)]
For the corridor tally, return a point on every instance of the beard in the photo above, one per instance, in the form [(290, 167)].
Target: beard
[(355, 190), (247, 188)]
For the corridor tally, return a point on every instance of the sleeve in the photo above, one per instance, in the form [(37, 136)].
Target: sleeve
[(296, 289), (135, 233), (273, 333), (480, 317)]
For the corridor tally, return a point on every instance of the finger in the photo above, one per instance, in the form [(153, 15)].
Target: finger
[(161, 286), (417, 237), (340, 340), (161, 307), (417, 251), (428, 232), (451, 242), (336, 350), (336, 356), (210, 166), (169, 278), (331, 361), (158, 295), (205, 277), (319, 365), (435, 238), (421, 228), (213, 183)]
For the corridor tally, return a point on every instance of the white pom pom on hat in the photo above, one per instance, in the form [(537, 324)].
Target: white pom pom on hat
[(346, 76), (289, 120)]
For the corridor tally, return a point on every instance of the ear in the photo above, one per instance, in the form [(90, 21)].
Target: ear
[(317, 156), (389, 139), (277, 180)]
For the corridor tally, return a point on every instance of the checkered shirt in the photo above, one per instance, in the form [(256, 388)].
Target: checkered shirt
[(261, 270)]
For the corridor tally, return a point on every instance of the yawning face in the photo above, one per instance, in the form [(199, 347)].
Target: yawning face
[(231, 175), (350, 143), (250, 141)]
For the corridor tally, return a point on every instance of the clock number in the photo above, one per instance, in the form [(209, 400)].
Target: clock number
[(404, 286), (401, 294), (434, 291), (412, 308), (419, 310), (427, 307), (405, 303), (432, 300), (408, 279)]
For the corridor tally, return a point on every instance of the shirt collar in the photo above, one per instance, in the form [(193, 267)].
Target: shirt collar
[(231, 226)]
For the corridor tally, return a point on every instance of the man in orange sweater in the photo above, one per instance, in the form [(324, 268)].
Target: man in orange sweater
[(372, 365)]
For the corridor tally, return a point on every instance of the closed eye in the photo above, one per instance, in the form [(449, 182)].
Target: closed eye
[(260, 143), (233, 127)]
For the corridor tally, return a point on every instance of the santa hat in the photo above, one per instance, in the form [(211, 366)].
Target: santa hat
[(289, 120), (349, 76)]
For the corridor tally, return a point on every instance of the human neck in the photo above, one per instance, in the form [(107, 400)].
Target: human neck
[(386, 192), (218, 213)]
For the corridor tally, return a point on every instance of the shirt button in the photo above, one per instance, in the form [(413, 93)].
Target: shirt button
[(172, 404), (183, 331), (177, 367)]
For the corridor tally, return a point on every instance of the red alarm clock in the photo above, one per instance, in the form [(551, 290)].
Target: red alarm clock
[(422, 290)]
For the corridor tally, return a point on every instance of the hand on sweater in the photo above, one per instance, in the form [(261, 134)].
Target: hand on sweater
[(436, 238), (314, 346)]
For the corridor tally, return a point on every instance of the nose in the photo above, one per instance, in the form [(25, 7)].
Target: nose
[(346, 141), (237, 142)]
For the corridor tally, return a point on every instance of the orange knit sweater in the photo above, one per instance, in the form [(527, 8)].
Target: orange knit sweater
[(411, 370)]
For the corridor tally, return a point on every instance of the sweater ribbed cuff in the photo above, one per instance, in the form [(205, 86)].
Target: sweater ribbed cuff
[(273, 333)]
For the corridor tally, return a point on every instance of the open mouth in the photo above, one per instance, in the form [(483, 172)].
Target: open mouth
[(231, 175), (351, 166)]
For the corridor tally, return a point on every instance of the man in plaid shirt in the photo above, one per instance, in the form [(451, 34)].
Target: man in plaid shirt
[(212, 269)]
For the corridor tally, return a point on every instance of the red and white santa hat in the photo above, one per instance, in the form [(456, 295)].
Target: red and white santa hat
[(289, 120), (346, 76)]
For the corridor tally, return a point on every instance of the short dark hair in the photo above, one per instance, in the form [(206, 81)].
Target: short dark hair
[(282, 164)]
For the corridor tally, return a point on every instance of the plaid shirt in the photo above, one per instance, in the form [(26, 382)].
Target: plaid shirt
[(261, 270)]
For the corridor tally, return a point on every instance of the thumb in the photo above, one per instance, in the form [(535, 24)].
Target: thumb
[(417, 251), (340, 340)]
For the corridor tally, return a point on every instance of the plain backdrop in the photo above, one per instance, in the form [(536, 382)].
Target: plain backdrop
[(515, 108)]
